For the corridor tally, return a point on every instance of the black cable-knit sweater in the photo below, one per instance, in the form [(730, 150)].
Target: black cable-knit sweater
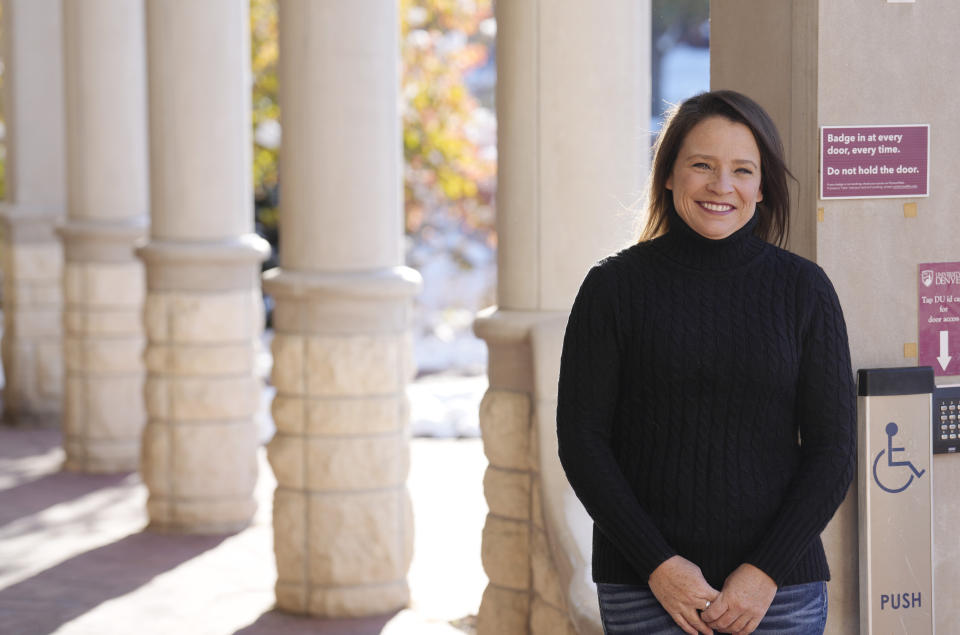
[(707, 407)]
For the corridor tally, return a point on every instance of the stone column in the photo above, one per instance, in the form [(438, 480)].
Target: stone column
[(572, 143), (203, 314), (342, 353), (107, 202), (34, 204)]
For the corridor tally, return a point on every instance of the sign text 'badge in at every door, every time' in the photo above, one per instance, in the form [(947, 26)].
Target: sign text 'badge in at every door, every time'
[(875, 161)]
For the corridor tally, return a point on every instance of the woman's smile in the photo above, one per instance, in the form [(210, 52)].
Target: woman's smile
[(717, 208)]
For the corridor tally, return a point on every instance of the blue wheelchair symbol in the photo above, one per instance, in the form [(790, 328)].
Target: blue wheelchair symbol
[(891, 431)]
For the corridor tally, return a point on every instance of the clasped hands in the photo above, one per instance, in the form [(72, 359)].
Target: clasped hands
[(697, 607)]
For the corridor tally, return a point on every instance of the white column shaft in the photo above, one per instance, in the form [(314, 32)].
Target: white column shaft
[(341, 151), (33, 103), (200, 148), (106, 115)]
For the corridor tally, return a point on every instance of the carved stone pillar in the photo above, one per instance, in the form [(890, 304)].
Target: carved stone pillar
[(204, 313), (343, 526), (34, 203), (107, 212)]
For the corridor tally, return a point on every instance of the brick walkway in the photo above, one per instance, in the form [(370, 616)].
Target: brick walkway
[(74, 557)]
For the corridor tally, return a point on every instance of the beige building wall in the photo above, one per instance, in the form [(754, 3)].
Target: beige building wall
[(852, 63)]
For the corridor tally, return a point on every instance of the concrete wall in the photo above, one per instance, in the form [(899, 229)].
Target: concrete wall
[(853, 63), (889, 65)]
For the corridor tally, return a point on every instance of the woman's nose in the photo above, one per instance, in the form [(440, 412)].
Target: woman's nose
[(722, 183)]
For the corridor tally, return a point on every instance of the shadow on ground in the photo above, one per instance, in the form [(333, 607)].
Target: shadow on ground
[(276, 622), (35, 441), (34, 496), (50, 599)]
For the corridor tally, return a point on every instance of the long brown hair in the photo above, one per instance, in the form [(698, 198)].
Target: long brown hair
[(773, 212)]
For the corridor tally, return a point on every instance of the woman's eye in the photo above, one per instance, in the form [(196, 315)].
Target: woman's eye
[(744, 171), (701, 166)]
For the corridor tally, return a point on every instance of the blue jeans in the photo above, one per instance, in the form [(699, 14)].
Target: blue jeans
[(799, 609)]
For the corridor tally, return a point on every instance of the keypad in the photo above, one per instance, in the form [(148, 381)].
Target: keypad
[(946, 420)]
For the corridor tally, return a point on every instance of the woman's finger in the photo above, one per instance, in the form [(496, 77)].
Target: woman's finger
[(740, 624), (699, 624), (750, 627), (724, 623), (683, 624), (719, 606)]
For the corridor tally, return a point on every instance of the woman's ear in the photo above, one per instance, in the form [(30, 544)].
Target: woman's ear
[(669, 183)]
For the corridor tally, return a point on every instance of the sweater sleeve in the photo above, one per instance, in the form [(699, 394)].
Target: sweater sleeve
[(826, 414), (586, 406)]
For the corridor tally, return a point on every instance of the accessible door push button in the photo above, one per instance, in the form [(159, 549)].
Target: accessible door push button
[(892, 429), (894, 481)]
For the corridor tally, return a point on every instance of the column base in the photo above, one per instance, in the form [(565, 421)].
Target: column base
[(209, 516), (203, 319), (102, 458), (103, 414), (503, 611), (342, 602), (32, 348), (202, 529), (343, 522), (31, 419), (527, 589)]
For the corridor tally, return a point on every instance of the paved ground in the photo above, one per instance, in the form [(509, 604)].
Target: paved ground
[(74, 558)]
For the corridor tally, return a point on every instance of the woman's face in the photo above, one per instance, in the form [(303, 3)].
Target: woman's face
[(716, 178)]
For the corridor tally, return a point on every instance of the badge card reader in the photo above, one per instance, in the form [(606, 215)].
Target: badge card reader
[(946, 419)]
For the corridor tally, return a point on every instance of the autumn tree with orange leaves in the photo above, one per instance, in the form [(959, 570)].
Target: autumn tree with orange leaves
[(447, 166)]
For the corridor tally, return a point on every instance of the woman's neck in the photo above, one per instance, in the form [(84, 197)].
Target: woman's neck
[(684, 245)]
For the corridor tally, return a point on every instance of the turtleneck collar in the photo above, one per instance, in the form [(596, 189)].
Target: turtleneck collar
[(685, 246)]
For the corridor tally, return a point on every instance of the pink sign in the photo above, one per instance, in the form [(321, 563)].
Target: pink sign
[(938, 316), (874, 161)]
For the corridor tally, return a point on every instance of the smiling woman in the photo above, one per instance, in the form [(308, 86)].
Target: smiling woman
[(705, 413)]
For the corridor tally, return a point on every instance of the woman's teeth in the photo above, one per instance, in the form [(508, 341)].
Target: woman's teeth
[(713, 207)]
